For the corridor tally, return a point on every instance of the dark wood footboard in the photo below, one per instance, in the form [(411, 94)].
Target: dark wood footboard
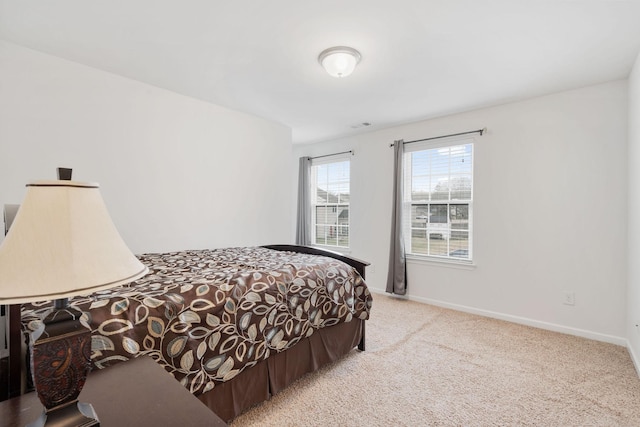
[(358, 264)]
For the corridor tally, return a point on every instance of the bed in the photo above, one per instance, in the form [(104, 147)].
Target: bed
[(234, 325)]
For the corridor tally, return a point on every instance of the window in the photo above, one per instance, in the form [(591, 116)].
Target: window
[(438, 183), (330, 190)]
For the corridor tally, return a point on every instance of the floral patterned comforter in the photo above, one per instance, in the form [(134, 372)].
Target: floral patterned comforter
[(206, 315)]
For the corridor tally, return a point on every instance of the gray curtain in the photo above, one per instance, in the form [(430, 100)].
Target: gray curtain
[(303, 226), (397, 277)]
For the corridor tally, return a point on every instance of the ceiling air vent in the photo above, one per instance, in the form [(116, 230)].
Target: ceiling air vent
[(360, 125)]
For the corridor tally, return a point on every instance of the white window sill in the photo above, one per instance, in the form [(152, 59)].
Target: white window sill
[(440, 262)]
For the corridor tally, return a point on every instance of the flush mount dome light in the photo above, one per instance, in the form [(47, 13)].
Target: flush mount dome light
[(339, 61)]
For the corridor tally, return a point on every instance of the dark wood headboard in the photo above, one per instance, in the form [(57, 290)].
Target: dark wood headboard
[(13, 318)]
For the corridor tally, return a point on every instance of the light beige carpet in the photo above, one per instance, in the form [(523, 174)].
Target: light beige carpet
[(428, 366)]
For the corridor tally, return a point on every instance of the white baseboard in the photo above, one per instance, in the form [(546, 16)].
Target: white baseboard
[(634, 358), (520, 320)]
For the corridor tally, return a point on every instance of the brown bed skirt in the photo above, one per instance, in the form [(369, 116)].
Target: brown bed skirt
[(259, 383)]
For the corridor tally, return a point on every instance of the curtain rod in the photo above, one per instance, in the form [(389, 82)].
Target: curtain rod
[(480, 131), (334, 154)]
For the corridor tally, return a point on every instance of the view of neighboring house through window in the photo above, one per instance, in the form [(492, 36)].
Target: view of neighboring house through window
[(330, 192), (438, 183)]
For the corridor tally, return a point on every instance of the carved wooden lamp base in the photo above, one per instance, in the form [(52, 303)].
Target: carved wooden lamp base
[(62, 243), (61, 360)]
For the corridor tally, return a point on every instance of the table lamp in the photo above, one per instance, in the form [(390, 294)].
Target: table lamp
[(63, 243)]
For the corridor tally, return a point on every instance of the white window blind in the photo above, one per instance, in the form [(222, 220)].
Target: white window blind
[(330, 195), (438, 214)]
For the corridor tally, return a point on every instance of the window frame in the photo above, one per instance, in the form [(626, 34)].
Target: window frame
[(408, 203), (325, 160)]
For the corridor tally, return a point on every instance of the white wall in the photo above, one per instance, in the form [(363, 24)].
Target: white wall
[(550, 211), (633, 295), (175, 172)]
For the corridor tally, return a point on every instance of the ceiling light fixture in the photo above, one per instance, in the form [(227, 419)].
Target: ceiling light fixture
[(339, 61)]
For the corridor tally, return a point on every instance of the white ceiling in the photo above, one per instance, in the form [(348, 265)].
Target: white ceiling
[(420, 58)]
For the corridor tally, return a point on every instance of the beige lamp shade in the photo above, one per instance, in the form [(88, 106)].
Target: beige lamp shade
[(63, 243)]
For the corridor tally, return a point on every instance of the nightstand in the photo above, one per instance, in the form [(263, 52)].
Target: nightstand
[(138, 392)]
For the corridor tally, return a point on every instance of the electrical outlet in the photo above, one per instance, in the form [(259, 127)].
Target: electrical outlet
[(569, 298)]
